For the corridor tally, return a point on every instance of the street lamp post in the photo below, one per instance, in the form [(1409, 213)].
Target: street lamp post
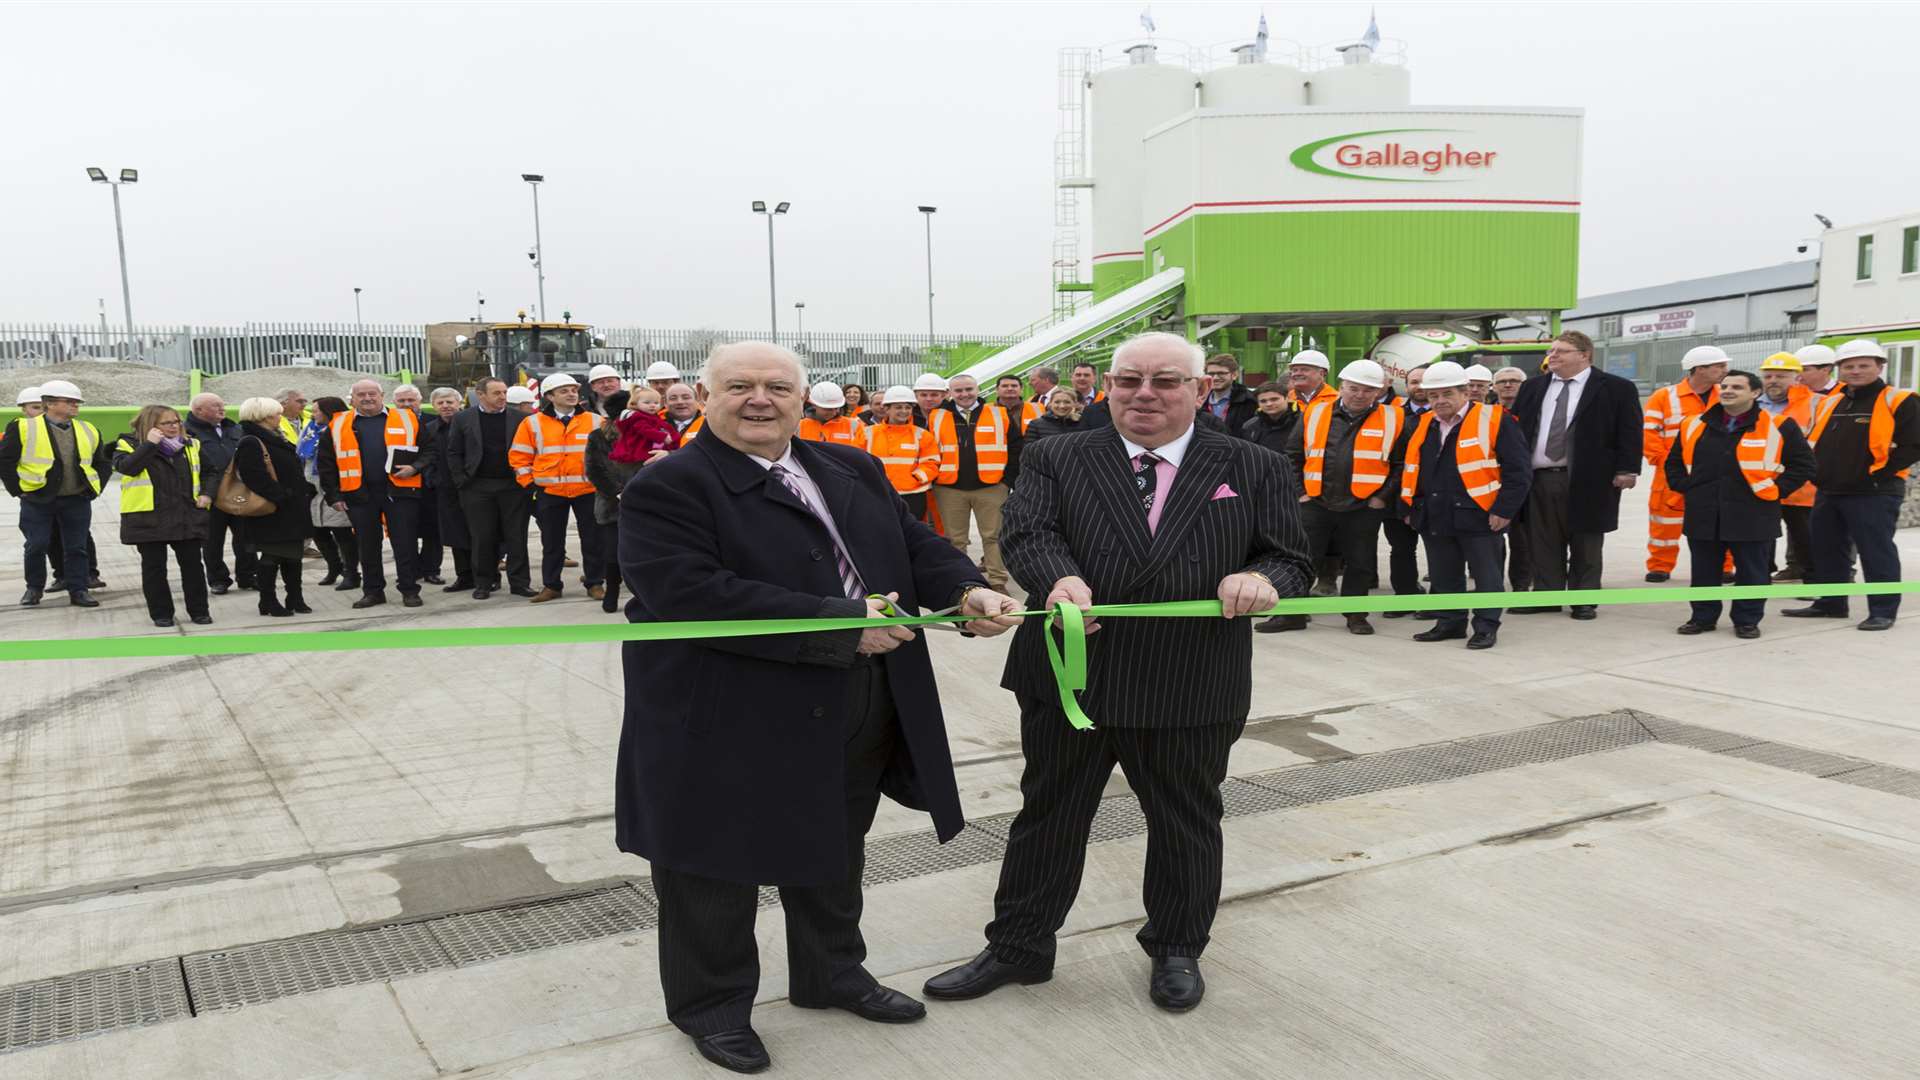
[(773, 300), (539, 255), (928, 212), (127, 176), (359, 330), (800, 313)]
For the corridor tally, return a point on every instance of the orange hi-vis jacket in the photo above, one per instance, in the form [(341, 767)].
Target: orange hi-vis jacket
[(699, 421), (989, 443), (844, 430), (403, 433), (550, 455), (1371, 446), (1879, 425), (1473, 453), (1667, 409), (1758, 453), (1327, 394), (1799, 410), (909, 454)]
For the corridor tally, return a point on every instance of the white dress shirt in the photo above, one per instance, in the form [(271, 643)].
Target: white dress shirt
[(1171, 453), (1572, 387)]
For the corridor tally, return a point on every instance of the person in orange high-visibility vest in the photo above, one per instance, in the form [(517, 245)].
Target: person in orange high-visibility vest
[(1467, 473), (549, 456), (1307, 379), (975, 438), (906, 451), (1086, 384), (826, 419), (682, 410), (1736, 464), (1866, 439), (1667, 409), (1784, 397), (368, 462)]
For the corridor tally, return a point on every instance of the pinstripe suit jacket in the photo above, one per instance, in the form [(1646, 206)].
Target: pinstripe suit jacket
[(1076, 514)]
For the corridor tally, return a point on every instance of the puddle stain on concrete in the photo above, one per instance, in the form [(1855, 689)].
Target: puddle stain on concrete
[(1299, 734), (462, 877)]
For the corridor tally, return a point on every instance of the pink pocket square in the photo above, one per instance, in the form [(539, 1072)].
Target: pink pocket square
[(1225, 492)]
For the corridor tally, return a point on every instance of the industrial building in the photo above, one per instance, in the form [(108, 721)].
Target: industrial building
[(1870, 287)]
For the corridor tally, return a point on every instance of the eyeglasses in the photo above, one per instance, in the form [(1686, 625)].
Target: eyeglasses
[(166, 423), (1130, 381)]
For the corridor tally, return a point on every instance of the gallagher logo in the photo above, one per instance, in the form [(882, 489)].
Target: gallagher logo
[(1391, 161)]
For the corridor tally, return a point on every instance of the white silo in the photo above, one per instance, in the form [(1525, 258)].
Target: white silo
[(1128, 101), (1360, 81), (1250, 84)]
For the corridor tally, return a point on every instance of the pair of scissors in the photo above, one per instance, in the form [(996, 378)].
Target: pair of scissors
[(892, 612)]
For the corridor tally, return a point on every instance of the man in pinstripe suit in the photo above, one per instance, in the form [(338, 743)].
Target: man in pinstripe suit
[(1152, 508)]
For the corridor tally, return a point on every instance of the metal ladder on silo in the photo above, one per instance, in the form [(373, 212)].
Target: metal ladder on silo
[(1069, 176)]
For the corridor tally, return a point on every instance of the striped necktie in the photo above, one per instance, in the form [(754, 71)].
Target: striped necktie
[(849, 578)]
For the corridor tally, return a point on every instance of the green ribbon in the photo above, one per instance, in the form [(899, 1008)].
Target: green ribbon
[(1067, 656)]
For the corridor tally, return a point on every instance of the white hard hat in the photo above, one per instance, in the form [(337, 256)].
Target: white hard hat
[(29, 396), (828, 395), (898, 395), (1479, 373), (1703, 356), (1442, 374), (557, 380), (1311, 358), (930, 381), (1815, 356), (1856, 348), (61, 388), (1364, 373), (660, 369), (601, 371), (519, 395)]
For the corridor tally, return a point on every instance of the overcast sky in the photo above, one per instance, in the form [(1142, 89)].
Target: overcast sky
[(288, 153)]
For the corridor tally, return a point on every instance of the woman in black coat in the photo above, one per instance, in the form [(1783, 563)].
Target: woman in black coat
[(270, 466), (162, 507), (1062, 416), (1724, 514)]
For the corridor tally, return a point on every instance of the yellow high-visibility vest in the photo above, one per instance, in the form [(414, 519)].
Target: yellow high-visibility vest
[(136, 492), (36, 452)]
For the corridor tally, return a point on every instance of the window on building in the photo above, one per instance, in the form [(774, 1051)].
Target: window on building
[(1610, 326), (1863, 262), (1910, 250)]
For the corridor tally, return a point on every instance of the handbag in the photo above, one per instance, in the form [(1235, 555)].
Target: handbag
[(236, 499)]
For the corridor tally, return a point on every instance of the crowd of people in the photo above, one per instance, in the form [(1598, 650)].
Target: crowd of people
[(1505, 477)]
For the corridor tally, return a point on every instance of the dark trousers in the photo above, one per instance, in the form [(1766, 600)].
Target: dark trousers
[(430, 551), (153, 577), (496, 511), (551, 511), (1562, 558), (1750, 559), (916, 504), (402, 519), (337, 546), (56, 556), (610, 539), (709, 958), (1403, 562), (1864, 522), (1352, 535), (1176, 772), (1799, 525), (215, 548), (451, 525), (1450, 558), (1519, 558), (73, 515)]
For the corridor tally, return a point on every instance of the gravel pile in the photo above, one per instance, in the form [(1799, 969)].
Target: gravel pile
[(314, 382), (103, 382)]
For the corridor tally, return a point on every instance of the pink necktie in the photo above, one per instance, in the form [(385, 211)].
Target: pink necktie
[(1163, 471)]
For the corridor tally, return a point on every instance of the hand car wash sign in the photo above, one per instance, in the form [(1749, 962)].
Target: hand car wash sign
[(1399, 156)]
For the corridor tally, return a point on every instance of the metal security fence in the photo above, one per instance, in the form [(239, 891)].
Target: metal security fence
[(866, 357), (221, 350), (1655, 362)]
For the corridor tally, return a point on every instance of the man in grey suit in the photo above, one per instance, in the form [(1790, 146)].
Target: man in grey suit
[(1151, 508)]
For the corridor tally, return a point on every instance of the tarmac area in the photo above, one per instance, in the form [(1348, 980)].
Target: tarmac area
[(1598, 850)]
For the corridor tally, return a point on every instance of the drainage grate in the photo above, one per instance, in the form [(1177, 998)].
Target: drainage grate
[(542, 924), (71, 1006), (252, 974), (100, 1001)]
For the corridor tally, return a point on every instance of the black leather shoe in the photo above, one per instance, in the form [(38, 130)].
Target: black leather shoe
[(1437, 634), (347, 584), (1875, 622), (482, 592), (1176, 984), (1535, 610), (219, 588), (163, 621), (981, 975), (458, 586), (30, 598), (739, 1050), (1813, 612), (1690, 628), (1585, 613), (370, 600), (1655, 577), (58, 584), (1358, 624), (1281, 623), (1483, 640), (94, 582), (1395, 614), (1748, 632), (202, 620), (882, 1005), (523, 590), (411, 599), (433, 579), (81, 599)]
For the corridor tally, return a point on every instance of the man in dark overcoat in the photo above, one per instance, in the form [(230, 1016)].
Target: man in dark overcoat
[(749, 761)]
